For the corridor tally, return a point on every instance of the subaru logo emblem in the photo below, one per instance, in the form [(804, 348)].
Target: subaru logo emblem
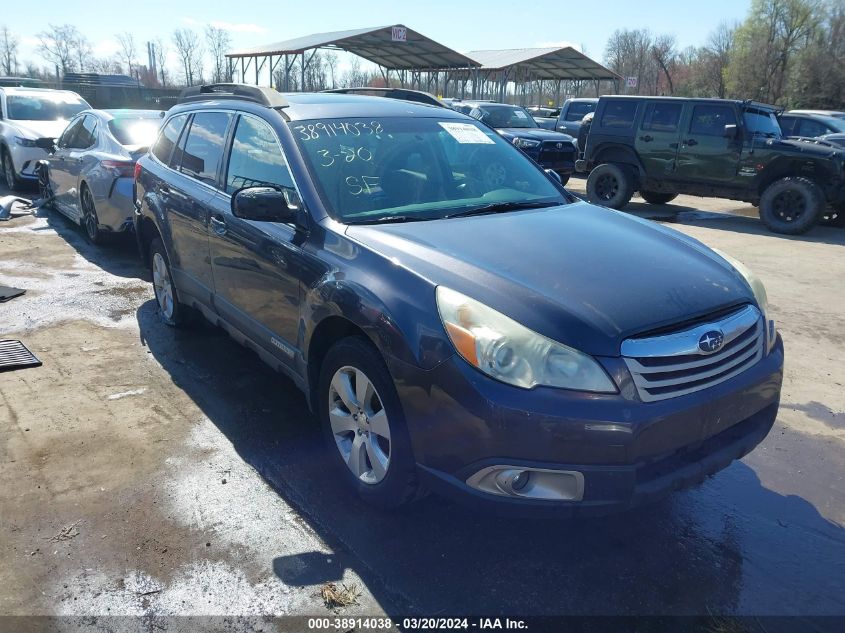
[(711, 341), (560, 145)]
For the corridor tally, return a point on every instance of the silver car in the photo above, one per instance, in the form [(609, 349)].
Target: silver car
[(89, 173)]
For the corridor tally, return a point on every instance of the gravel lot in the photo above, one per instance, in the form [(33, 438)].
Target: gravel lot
[(150, 471)]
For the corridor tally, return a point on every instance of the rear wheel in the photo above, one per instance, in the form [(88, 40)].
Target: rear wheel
[(610, 185), (90, 221), (791, 205), (9, 175), (657, 197), (172, 312), (364, 426)]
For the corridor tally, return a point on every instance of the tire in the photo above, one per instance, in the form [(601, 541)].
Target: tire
[(90, 221), (657, 197), (564, 178), (9, 174), (834, 216), (372, 452), (791, 205), (170, 310), (45, 192), (610, 185)]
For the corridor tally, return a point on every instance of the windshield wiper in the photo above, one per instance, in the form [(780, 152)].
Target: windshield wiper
[(394, 218), (502, 207)]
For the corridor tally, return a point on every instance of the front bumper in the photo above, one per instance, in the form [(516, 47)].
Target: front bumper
[(25, 159), (629, 452)]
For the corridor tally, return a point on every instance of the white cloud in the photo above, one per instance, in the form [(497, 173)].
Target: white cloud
[(190, 21), (105, 48), (238, 27)]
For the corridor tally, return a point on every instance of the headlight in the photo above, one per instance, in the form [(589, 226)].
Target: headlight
[(525, 143), (759, 291), (507, 351), (25, 142)]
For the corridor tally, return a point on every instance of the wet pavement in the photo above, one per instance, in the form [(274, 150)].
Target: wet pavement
[(764, 537)]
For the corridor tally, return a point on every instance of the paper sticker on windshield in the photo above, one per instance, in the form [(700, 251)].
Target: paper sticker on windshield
[(466, 133), (520, 114)]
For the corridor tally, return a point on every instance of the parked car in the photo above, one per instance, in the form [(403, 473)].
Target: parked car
[(552, 150), (663, 146), (403, 94), (498, 340), (89, 173), (834, 113), (810, 125), (572, 113), (27, 114), (546, 118)]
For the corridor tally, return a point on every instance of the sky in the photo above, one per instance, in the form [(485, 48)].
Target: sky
[(464, 26)]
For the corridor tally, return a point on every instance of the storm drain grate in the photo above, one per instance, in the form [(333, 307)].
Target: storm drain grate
[(14, 355)]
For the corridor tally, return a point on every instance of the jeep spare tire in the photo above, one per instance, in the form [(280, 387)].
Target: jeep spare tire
[(610, 186), (657, 197), (791, 205)]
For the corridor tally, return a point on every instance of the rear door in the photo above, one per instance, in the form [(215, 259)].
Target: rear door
[(658, 137), (705, 153), (197, 160), (256, 264)]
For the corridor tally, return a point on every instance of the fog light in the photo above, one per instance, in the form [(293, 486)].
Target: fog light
[(531, 483)]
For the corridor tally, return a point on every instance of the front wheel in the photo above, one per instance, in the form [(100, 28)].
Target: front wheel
[(791, 205), (657, 197), (45, 191), (364, 426), (11, 178), (610, 185)]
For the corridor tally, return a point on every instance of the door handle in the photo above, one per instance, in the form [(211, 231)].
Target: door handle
[(691, 142), (218, 225), (648, 138)]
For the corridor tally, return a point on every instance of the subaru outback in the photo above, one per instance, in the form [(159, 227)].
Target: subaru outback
[(498, 340), (663, 146)]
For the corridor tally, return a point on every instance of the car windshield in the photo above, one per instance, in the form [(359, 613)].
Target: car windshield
[(135, 130), (503, 116), (395, 169), (762, 122), (836, 124), (44, 108)]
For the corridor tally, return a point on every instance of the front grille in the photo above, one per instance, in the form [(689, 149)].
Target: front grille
[(549, 151), (674, 365)]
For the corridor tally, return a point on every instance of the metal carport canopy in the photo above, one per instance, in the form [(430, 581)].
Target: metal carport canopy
[(544, 63), (377, 44)]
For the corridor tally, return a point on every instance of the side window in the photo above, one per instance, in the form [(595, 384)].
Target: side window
[(204, 146), (710, 120), (86, 134), (163, 147), (619, 114), (579, 110), (662, 116), (811, 128), (787, 125), (256, 158), (70, 131)]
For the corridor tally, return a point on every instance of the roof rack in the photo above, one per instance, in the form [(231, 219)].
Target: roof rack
[(260, 94)]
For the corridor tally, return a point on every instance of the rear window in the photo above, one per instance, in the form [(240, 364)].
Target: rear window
[(135, 130), (662, 117), (619, 114), (163, 147), (578, 111), (204, 147)]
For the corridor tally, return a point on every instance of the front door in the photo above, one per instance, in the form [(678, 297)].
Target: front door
[(60, 181), (705, 153), (658, 138), (83, 141), (256, 264)]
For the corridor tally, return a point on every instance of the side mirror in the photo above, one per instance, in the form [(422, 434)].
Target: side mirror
[(730, 131), (46, 143), (554, 175), (266, 204)]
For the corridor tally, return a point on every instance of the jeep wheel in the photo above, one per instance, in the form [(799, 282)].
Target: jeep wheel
[(363, 424), (564, 177), (834, 216), (610, 186), (791, 205), (657, 197)]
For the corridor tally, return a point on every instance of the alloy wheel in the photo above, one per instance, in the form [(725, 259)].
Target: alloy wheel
[(8, 171), (359, 425), (162, 285), (607, 187), (89, 215)]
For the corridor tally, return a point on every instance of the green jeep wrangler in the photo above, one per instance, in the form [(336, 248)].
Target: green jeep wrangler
[(663, 146)]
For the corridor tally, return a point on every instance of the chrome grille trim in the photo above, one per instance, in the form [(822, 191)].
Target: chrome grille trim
[(672, 365)]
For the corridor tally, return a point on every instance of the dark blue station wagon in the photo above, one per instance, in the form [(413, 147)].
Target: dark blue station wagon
[(492, 338)]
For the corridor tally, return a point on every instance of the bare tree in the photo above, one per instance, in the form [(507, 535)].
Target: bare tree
[(57, 45), (82, 52), (189, 49), (331, 63), (160, 54), (664, 53), (128, 52), (219, 41), (8, 51)]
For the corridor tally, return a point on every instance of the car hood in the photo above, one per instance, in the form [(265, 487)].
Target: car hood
[(579, 274), (808, 147), (40, 129), (538, 134)]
